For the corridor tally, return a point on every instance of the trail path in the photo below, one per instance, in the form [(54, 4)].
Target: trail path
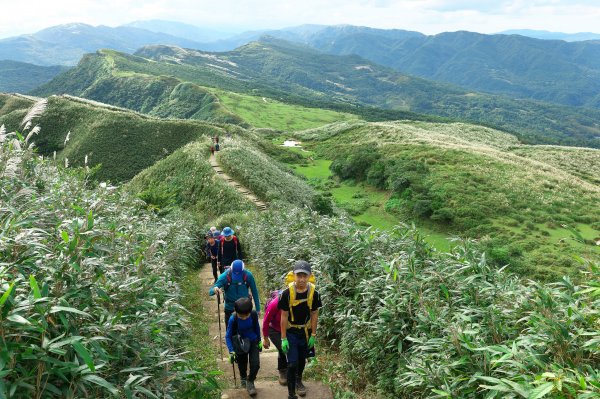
[(266, 383), (241, 189)]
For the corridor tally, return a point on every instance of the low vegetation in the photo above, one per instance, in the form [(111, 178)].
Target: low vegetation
[(467, 181), (411, 322), (89, 291)]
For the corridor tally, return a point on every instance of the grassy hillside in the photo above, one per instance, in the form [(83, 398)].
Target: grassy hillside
[(123, 142), (21, 77), (463, 180), (297, 74), (186, 180)]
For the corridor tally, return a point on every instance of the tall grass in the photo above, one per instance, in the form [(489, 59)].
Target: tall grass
[(413, 323), (89, 300)]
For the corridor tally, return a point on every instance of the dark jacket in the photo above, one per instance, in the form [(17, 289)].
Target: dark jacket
[(229, 251)]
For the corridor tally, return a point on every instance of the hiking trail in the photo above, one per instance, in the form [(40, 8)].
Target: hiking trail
[(262, 206), (267, 385)]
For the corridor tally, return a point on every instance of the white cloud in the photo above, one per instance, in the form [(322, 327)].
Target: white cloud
[(428, 16)]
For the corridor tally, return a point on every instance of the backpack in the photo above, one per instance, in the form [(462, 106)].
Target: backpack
[(235, 244), (274, 294), (238, 283), (241, 345)]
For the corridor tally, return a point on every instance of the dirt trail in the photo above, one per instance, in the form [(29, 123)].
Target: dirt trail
[(266, 383), (241, 189)]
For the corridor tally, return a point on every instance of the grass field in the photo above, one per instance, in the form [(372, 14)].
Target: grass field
[(354, 196), (268, 113)]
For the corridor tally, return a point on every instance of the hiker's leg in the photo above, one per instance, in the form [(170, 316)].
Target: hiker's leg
[(292, 358), (214, 268), (228, 314), (254, 361), (242, 360), (302, 352), (275, 337)]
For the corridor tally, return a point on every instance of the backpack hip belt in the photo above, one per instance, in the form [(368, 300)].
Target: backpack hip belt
[(304, 327)]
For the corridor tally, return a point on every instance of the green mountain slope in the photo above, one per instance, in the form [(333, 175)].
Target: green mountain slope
[(21, 77), (529, 210), (124, 142), (517, 66), (295, 73)]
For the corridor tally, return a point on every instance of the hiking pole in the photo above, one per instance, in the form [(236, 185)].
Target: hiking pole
[(220, 333), (234, 376)]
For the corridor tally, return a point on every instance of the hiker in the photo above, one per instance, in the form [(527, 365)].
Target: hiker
[(243, 342), (212, 251), (272, 331), (235, 283), (230, 248), (217, 147), (212, 150), (299, 305), (217, 139)]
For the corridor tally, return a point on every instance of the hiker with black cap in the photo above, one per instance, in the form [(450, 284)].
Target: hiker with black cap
[(299, 305), (233, 284), (212, 251), (230, 248), (243, 342)]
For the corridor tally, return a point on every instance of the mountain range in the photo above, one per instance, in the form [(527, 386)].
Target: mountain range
[(299, 74)]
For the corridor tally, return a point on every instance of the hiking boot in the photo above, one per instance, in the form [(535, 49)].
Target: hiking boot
[(283, 377), (250, 388), (243, 382), (300, 388), (292, 397)]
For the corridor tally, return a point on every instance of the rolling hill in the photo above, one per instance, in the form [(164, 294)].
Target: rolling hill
[(533, 207), (298, 74), (22, 78), (517, 66)]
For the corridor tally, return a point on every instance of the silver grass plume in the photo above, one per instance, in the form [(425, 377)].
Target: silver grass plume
[(66, 162), (54, 156), (33, 131), (67, 138), (2, 134), (36, 111)]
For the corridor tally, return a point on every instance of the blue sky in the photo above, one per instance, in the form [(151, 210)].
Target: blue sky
[(427, 16)]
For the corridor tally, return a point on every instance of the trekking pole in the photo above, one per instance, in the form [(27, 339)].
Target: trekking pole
[(220, 333), (234, 376)]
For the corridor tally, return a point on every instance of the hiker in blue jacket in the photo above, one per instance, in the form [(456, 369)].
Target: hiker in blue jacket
[(243, 342), (235, 283)]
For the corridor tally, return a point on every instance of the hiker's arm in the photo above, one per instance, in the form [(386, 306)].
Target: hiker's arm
[(254, 293), (218, 284), (284, 323), (269, 315), (228, 334), (314, 319), (257, 327)]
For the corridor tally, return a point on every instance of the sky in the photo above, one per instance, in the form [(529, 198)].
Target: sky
[(426, 16)]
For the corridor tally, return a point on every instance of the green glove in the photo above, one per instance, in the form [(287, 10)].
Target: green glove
[(260, 345), (285, 345), (232, 357), (311, 342)]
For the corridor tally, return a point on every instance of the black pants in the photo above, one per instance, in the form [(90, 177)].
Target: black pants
[(254, 358), (275, 337), (228, 314), (213, 263), (296, 357)]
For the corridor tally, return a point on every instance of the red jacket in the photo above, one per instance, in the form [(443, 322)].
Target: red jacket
[(272, 317)]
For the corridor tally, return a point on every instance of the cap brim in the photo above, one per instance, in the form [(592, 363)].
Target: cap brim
[(301, 271)]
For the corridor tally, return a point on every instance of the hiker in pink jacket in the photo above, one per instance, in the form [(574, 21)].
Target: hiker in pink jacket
[(272, 330)]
